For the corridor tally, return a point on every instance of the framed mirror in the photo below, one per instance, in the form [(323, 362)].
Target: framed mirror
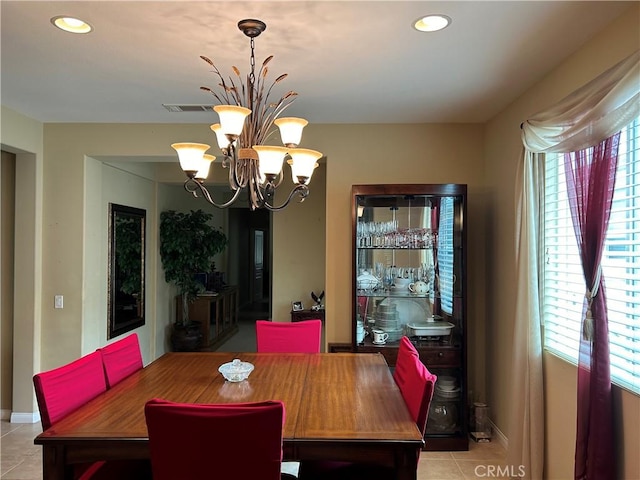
[(126, 295)]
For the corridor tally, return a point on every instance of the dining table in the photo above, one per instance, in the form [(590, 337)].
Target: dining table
[(338, 406)]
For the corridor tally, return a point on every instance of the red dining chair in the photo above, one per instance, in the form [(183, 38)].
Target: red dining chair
[(416, 385), (120, 359), (240, 441), (64, 389), (415, 381), (288, 337)]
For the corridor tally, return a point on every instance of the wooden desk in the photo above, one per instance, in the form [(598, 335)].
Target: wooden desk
[(337, 406)]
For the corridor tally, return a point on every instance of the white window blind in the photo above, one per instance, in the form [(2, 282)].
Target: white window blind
[(564, 286), (445, 255)]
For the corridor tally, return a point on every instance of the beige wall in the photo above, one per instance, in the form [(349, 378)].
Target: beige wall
[(423, 154), (24, 137), (502, 154), (298, 235), (7, 232)]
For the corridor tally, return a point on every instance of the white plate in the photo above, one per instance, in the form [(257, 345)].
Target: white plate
[(410, 310), (447, 380), (379, 343), (447, 388)]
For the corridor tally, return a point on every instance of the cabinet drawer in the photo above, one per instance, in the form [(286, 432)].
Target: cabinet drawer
[(440, 358)]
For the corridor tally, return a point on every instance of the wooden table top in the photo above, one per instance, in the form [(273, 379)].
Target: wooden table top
[(335, 396)]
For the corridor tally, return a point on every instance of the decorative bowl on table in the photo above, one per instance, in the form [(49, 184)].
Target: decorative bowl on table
[(236, 371)]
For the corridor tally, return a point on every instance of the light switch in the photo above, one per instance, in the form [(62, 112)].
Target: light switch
[(58, 301)]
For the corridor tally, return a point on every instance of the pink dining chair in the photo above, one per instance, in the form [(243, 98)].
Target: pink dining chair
[(288, 337), (415, 381), (416, 385), (121, 358), (64, 389), (242, 441)]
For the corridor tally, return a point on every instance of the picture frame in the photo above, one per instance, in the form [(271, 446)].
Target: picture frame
[(297, 306), (126, 269)]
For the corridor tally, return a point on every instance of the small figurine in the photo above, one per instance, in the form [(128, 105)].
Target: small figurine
[(318, 300)]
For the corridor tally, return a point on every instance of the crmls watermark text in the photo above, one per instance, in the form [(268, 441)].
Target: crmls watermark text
[(499, 471)]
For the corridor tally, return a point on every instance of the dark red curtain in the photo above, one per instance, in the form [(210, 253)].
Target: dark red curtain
[(590, 184)]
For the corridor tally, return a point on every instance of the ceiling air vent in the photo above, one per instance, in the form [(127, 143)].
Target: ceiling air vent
[(187, 108)]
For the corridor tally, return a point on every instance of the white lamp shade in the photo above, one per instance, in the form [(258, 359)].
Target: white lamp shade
[(303, 162), (190, 155), (232, 118), (223, 141), (205, 165), (295, 178), (291, 129), (270, 159)]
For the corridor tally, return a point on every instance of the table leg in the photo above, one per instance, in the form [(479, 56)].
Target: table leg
[(53, 467), (407, 466)]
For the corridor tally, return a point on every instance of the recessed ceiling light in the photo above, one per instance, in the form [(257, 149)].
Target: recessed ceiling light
[(432, 23), (71, 24)]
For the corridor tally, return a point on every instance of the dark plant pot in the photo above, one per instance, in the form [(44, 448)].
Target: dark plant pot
[(186, 338)]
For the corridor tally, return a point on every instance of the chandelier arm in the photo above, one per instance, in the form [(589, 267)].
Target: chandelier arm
[(257, 194), (256, 200), (242, 172), (300, 189), (191, 185), (280, 178), (233, 178)]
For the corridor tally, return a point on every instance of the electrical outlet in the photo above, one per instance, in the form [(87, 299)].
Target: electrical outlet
[(58, 301)]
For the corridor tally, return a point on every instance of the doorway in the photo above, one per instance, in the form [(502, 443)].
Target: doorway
[(249, 261)]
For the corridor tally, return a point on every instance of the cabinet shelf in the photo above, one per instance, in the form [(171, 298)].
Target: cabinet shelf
[(416, 231)]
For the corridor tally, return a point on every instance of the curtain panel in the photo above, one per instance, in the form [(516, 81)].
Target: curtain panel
[(591, 175), (586, 117)]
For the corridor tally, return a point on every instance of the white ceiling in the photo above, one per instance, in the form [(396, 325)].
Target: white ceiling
[(349, 61)]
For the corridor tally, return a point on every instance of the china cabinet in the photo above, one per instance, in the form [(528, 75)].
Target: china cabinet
[(409, 265)]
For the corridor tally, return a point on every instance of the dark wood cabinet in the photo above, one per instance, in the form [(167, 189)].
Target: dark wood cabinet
[(217, 314), (300, 315), (409, 279)]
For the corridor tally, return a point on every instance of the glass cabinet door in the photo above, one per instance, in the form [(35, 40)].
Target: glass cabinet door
[(409, 280)]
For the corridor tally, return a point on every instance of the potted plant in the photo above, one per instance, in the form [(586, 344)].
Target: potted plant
[(188, 243)]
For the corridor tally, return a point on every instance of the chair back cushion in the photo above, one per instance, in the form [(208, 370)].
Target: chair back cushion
[(415, 382), (241, 441), (62, 390), (120, 359), (288, 337)]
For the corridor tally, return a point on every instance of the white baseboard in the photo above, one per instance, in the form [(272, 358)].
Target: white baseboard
[(17, 417), (499, 436)]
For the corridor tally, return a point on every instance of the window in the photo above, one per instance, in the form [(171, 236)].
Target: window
[(564, 287), (445, 255)]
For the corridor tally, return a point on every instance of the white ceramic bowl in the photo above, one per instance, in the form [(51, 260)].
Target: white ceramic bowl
[(236, 371)]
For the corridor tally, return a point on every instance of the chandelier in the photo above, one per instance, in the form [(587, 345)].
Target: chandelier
[(247, 118)]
